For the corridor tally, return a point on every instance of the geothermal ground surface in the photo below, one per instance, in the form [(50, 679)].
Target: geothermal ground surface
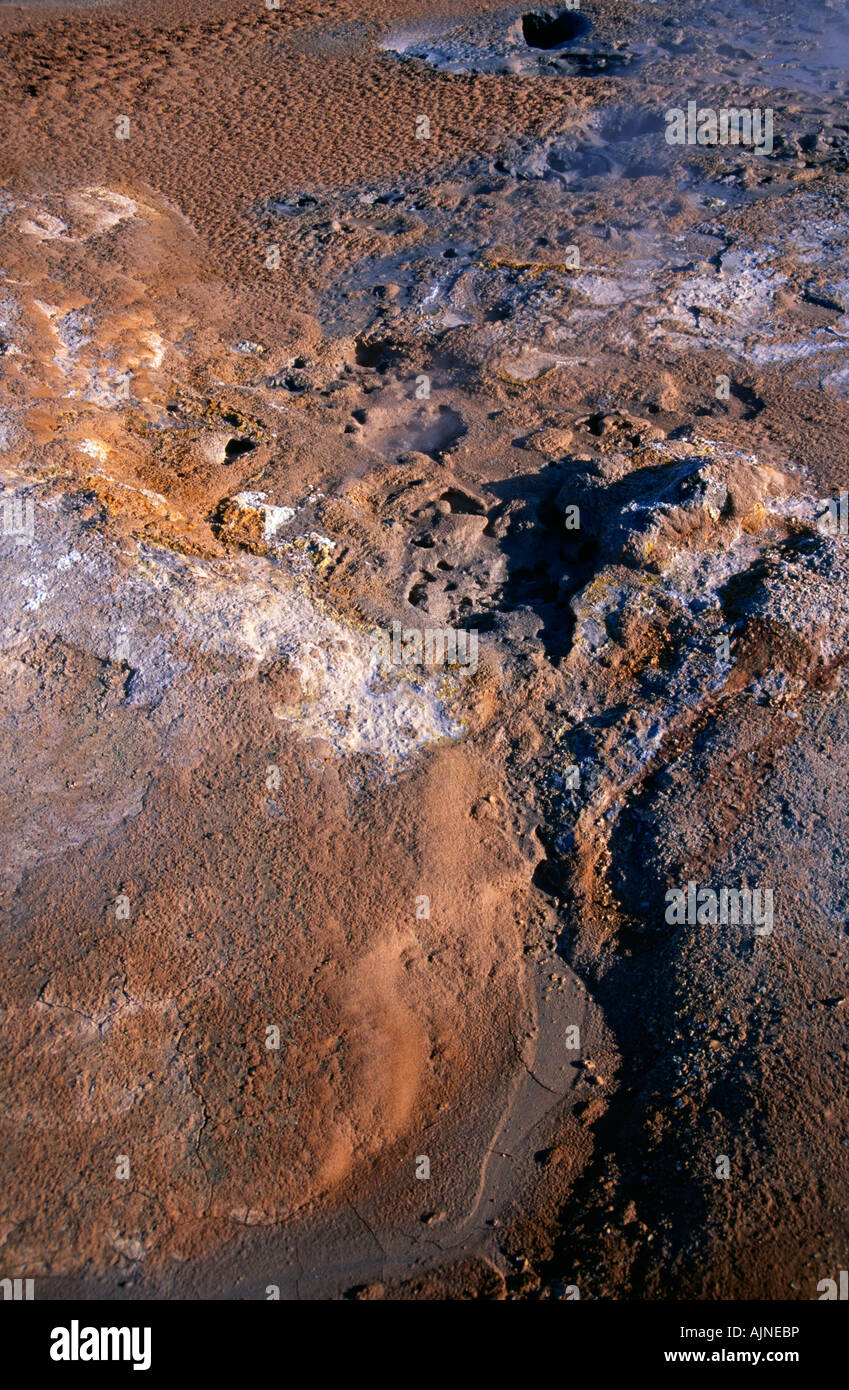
[(350, 976)]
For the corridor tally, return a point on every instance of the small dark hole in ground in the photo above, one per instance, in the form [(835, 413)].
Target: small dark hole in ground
[(378, 355), (551, 28), (418, 594), (461, 503), (234, 448)]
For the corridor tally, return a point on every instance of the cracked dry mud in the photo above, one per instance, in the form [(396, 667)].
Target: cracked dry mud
[(276, 374)]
